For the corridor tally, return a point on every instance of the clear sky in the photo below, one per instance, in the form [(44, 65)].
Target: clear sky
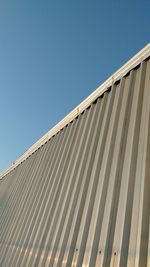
[(53, 54)]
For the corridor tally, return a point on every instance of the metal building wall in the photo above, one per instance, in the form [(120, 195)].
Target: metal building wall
[(83, 198)]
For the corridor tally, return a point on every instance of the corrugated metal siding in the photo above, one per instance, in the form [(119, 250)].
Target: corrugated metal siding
[(83, 198)]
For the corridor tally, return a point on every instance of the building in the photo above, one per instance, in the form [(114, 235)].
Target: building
[(80, 196)]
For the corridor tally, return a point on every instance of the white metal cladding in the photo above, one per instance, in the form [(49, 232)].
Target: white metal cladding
[(83, 198)]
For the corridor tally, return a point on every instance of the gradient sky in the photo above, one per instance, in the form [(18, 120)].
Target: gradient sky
[(53, 54)]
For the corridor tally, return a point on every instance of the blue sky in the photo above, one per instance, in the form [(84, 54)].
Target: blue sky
[(53, 54)]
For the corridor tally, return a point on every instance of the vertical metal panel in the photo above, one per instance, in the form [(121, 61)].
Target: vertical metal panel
[(83, 199)]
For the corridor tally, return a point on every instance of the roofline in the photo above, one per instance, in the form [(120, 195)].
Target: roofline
[(132, 63)]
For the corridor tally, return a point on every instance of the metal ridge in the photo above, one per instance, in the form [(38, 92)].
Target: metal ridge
[(132, 63)]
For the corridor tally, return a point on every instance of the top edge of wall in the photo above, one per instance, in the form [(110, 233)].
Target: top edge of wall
[(121, 72)]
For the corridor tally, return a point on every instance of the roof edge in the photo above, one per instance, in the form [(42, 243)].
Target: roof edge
[(132, 63)]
